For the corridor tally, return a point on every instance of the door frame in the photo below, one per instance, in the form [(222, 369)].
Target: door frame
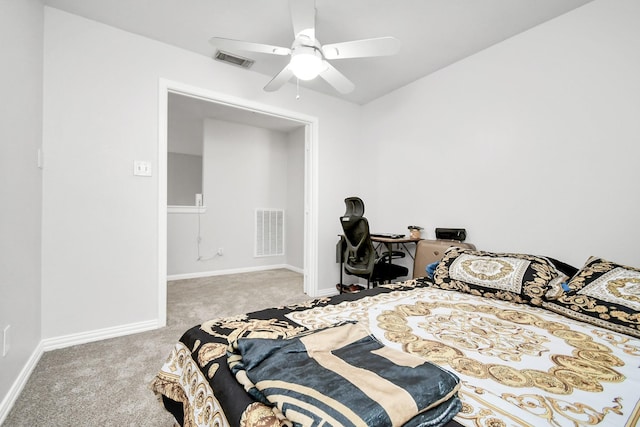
[(310, 179)]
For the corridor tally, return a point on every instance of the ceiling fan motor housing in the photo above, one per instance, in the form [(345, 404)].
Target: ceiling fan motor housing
[(307, 61)]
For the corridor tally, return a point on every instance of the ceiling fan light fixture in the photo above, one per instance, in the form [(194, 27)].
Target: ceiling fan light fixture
[(308, 58), (306, 62)]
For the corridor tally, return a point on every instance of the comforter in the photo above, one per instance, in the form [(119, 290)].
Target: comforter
[(518, 365)]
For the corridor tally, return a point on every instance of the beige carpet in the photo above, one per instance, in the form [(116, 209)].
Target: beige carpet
[(106, 383)]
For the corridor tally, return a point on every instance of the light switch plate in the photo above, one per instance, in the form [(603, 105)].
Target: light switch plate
[(141, 168)]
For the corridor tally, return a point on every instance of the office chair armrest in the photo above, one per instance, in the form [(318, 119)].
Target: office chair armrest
[(394, 255)]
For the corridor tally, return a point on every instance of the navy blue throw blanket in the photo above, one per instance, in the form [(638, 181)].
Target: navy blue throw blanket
[(342, 376)]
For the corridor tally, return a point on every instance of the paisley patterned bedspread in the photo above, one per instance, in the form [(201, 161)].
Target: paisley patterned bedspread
[(518, 365)]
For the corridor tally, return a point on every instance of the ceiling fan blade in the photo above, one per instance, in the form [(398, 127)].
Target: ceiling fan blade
[(303, 17), (381, 46), (336, 79), (230, 44), (279, 80)]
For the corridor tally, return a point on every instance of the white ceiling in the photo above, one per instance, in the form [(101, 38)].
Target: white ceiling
[(433, 33)]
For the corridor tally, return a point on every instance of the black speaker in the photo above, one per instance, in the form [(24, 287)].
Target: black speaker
[(458, 234)]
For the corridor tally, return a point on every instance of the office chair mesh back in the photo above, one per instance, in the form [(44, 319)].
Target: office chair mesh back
[(359, 254)]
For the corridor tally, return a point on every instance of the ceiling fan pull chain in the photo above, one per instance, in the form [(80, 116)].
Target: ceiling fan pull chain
[(297, 88)]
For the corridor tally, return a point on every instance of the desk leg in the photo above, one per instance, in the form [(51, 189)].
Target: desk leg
[(408, 251)]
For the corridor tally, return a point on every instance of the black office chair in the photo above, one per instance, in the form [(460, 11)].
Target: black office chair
[(358, 256)]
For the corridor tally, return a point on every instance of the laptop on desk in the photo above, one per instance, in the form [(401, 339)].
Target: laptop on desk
[(388, 235)]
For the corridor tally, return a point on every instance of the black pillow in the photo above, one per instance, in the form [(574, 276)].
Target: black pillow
[(563, 267)]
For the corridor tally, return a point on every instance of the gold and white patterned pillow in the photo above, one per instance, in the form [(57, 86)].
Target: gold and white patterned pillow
[(605, 294), (519, 278)]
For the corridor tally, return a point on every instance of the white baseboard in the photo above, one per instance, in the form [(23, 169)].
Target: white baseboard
[(15, 390), (199, 274), (97, 335)]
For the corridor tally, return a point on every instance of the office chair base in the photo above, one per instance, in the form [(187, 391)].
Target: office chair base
[(349, 289)]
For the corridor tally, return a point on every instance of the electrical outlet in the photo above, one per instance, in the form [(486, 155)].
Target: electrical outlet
[(6, 344)]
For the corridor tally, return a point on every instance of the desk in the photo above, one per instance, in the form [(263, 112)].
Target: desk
[(389, 242)]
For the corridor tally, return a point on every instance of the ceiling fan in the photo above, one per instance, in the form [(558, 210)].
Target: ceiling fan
[(309, 58)]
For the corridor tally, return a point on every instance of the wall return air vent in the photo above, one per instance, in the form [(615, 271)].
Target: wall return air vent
[(269, 232), (232, 59)]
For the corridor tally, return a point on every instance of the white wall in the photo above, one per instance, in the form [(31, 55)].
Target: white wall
[(100, 243), (294, 242), (184, 178), (245, 168), (20, 186), (184, 128), (532, 144)]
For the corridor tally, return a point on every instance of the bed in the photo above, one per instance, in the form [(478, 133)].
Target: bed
[(519, 340)]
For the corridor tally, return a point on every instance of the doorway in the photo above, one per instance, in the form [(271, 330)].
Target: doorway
[(238, 107)]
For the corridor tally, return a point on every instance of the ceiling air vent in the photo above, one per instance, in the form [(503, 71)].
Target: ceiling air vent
[(232, 59)]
